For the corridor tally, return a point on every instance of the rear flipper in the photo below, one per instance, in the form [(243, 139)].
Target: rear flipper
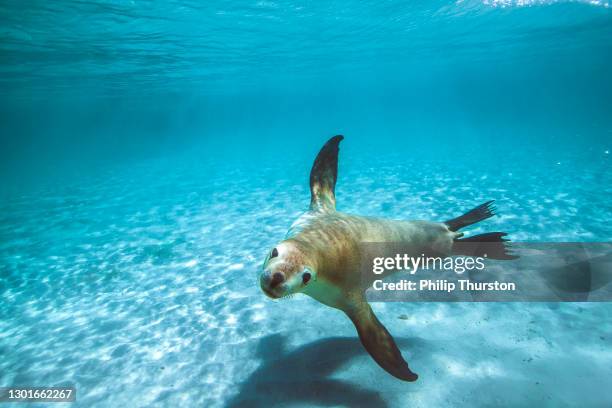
[(482, 212), (491, 245), (379, 343)]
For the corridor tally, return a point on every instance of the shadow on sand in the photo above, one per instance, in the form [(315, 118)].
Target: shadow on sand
[(303, 376)]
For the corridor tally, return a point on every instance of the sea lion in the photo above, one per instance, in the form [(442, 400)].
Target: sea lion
[(320, 256)]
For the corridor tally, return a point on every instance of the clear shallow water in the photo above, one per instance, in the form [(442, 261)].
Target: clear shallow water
[(187, 46), (153, 153), (139, 285)]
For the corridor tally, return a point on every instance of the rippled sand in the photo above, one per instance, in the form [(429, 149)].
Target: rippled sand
[(138, 285)]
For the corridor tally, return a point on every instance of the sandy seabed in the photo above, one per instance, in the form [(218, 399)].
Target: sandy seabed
[(139, 286)]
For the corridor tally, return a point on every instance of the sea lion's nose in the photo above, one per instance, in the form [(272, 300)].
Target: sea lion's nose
[(277, 279), (272, 280)]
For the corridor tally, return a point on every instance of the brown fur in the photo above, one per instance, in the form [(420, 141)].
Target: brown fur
[(322, 256)]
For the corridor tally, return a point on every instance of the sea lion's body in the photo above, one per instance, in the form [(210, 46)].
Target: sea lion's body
[(336, 241), (321, 254)]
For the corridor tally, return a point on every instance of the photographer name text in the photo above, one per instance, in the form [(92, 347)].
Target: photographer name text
[(442, 285)]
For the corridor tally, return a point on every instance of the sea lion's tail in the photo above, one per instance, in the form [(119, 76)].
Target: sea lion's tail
[(482, 212), (491, 245)]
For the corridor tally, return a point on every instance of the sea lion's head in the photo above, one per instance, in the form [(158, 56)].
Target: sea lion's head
[(285, 271)]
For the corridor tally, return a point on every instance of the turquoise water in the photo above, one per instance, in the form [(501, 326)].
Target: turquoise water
[(153, 152)]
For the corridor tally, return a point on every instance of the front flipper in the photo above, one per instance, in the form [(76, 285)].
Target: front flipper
[(379, 343), (323, 176)]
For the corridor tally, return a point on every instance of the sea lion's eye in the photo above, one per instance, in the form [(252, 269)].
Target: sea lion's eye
[(274, 253), (306, 277)]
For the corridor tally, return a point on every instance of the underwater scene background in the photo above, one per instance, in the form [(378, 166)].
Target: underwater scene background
[(152, 153)]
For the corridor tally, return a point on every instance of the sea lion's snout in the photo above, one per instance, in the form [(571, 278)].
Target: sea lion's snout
[(284, 272), (271, 283), (277, 279)]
